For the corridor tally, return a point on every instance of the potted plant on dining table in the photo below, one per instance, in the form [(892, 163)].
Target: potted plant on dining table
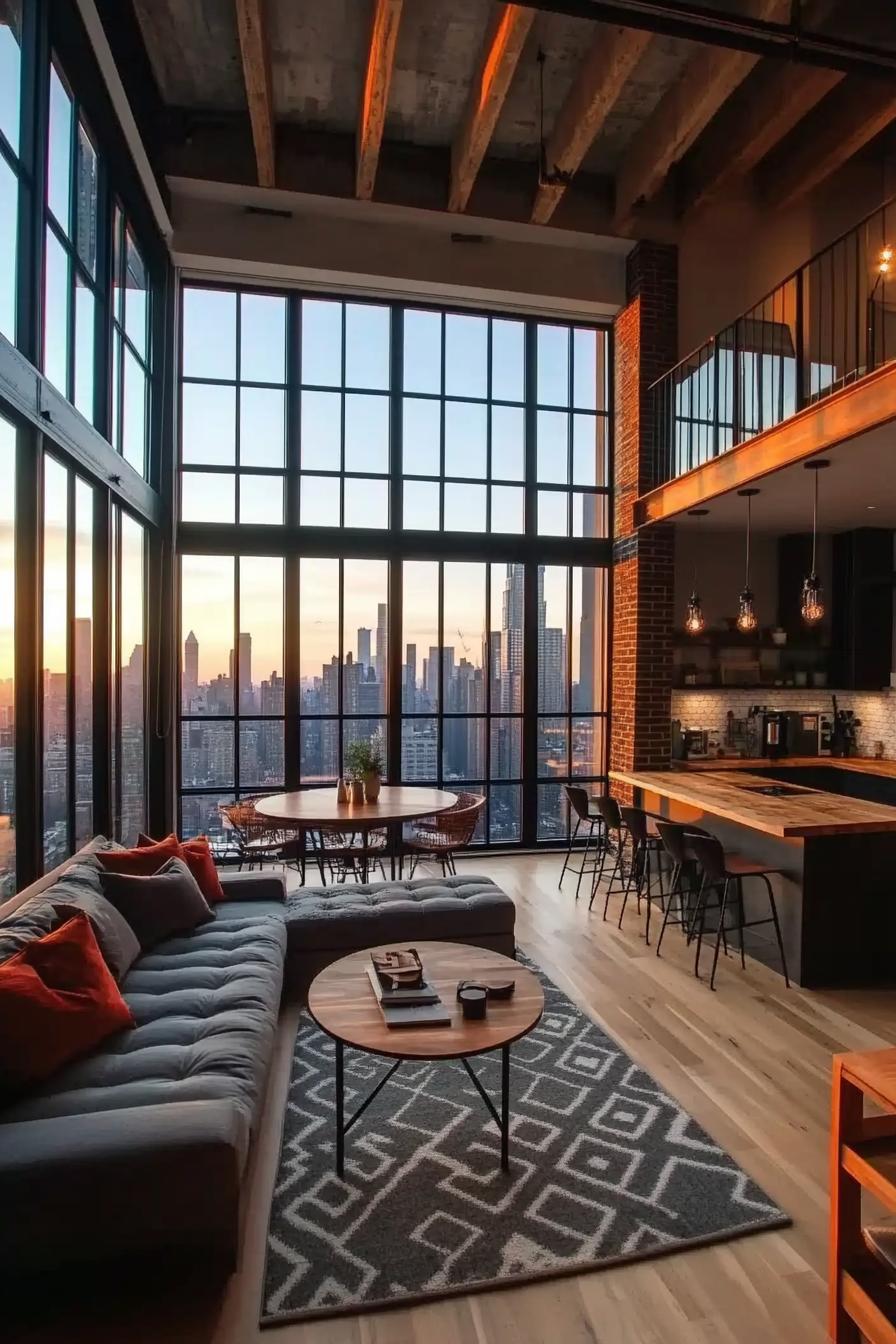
[(364, 764)]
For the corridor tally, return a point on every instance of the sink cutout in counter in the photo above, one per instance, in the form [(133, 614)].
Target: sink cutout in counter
[(774, 790)]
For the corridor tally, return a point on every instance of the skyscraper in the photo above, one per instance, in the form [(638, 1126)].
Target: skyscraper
[(364, 646), (410, 677), (83, 650), (191, 669), (382, 642), (245, 671)]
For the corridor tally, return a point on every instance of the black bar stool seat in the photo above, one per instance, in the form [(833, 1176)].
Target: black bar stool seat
[(721, 872), (614, 842), (674, 836), (647, 852), (592, 825)]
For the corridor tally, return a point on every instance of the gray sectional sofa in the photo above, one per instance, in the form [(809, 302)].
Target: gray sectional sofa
[(141, 1146)]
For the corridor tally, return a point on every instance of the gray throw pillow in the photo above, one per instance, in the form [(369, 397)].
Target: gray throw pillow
[(38, 916), (160, 905)]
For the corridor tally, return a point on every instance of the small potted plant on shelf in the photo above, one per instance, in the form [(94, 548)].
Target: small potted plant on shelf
[(365, 765)]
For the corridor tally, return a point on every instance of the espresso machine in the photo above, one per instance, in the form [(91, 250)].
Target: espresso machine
[(788, 732)]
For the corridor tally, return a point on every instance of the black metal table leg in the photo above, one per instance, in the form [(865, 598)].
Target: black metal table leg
[(505, 1107), (340, 1110)]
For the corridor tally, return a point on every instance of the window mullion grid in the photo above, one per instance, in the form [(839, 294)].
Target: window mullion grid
[(488, 426), (293, 408), (487, 699), (70, 701), (235, 671), (440, 676), (340, 697), (116, 665), (236, 410), (342, 445), (570, 579)]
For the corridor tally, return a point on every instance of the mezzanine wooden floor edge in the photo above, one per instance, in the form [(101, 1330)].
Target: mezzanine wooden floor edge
[(751, 1062)]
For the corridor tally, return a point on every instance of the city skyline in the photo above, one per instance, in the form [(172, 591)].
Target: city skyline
[(447, 689)]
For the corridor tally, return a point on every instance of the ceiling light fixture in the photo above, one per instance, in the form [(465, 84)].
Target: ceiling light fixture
[(747, 620), (812, 603), (694, 620)]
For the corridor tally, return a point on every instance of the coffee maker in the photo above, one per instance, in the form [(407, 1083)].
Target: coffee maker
[(774, 733), (789, 732)]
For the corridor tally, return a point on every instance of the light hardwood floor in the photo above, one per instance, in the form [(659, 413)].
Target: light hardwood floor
[(751, 1062)]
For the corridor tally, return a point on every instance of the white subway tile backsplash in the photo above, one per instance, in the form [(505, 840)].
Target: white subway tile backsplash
[(876, 709)]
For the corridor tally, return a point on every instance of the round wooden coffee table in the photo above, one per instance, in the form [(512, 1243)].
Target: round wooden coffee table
[(342, 1002)]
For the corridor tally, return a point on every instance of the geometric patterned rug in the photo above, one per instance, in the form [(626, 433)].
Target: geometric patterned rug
[(604, 1167)]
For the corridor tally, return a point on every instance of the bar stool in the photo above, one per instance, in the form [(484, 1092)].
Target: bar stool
[(674, 835), (720, 870), (646, 845), (593, 822), (615, 836)]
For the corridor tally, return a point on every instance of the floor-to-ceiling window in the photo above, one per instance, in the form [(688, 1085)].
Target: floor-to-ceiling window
[(394, 527), (10, 162), (7, 660), (82, 267)]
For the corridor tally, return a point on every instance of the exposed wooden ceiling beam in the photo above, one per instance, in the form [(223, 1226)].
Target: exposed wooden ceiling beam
[(372, 114), (683, 112), (745, 131), (700, 22), (844, 123), (502, 47), (250, 18), (613, 55)]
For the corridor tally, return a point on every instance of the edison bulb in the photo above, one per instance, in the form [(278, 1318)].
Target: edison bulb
[(747, 620)]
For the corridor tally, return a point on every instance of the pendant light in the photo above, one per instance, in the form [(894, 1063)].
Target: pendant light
[(812, 603), (747, 620), (694, 620)]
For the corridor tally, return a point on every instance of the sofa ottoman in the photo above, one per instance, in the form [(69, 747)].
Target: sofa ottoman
[(326, 923)]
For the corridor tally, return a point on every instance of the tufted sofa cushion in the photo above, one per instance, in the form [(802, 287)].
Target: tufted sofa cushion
[(344, 918), (206, 1006)]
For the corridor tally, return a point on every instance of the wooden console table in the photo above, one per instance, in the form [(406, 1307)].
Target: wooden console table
[(862, 1295)]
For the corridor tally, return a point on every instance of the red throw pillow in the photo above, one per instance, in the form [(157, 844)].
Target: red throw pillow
[(142, 861), (58, 1000), (197, 855)]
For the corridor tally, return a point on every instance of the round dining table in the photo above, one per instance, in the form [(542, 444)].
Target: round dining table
[(315, 811)]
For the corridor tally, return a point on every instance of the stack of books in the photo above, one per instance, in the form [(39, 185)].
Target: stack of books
[(405, 996)]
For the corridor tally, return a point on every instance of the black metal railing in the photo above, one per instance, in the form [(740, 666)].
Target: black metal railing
[(828, 324)]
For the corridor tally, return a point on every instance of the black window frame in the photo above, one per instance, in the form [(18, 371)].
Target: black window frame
[(294, 541)]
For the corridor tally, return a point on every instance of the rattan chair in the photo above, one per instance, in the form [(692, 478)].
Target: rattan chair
[(347, 854), (439, 838), (258, 840)]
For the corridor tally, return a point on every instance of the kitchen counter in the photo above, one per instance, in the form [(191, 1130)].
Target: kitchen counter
[(868, 765), (833, 859), (730, 793)]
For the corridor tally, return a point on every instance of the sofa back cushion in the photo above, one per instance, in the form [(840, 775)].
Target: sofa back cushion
[(162, 904), (78, 888), (197, 855), (57, 1001), (143, 861)]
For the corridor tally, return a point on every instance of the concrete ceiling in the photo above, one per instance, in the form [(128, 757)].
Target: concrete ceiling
[(858, 489), (625, 119)]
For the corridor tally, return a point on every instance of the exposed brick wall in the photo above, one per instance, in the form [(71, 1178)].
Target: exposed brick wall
[(643, 572)]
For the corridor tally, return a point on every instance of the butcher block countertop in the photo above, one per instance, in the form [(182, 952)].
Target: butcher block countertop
[(725, 793), (866, 765)]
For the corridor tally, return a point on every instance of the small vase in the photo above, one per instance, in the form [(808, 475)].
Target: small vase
[(371, 787), (342, 792), (356, 792)]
